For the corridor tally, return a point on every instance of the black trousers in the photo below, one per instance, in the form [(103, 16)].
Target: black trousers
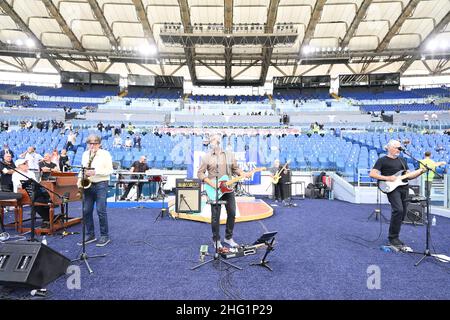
[(279, 191), (230, 206), (399, 206), (44, 212), (130, 185)]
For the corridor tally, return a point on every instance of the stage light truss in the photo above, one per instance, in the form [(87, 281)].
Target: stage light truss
[(190, 40)]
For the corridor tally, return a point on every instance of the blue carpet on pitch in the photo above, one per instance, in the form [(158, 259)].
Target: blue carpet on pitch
[(324, 250)]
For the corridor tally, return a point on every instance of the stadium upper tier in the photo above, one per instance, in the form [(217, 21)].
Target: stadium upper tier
[(386, 94), (363, 99), (348, 155)]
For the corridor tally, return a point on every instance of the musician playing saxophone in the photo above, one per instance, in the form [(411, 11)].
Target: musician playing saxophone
[(218, 163), (98, 164), (385, 169)]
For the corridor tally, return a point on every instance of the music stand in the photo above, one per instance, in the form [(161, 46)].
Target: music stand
[(268, 239)]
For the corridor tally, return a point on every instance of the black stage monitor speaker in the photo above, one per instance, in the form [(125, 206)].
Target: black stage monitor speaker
[(416, 210), (415, 213), (30, 264), (188, 196)]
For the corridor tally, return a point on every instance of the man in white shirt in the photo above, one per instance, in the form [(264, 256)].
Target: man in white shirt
[(117, 141), (99, 168), (128, 143), (18, 179), (32, 157), (71, 138)]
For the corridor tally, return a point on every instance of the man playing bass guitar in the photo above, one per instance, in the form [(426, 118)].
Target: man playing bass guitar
[(219, 163), (390, 169)]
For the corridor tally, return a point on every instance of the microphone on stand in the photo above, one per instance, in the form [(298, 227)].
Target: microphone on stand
[(401, 148)]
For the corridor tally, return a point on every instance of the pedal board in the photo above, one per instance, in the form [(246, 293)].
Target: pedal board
[(405, 249)]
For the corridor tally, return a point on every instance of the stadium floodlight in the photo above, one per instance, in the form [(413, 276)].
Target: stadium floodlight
[(307, 49), (340, 49), (431, 46), (19, 42), (148, 50), (30, 43), (8, 41), (38, 55), (346, 49)]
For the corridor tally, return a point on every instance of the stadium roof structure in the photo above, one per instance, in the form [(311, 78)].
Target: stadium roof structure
[(226, 42)]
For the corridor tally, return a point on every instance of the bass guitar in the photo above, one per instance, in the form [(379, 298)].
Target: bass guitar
[(277, 175), (401, 180), (225, 185)]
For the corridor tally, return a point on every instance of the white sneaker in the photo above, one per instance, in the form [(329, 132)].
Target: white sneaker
[(231, 243), (218, 243)]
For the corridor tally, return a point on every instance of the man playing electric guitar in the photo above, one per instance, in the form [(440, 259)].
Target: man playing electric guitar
[(219, 163), (276, 173), (385, 169)]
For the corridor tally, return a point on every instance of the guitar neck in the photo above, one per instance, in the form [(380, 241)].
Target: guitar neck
[(236, 179), (409, 174)]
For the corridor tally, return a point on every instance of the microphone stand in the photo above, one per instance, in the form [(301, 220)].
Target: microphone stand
[(427, 252), (218, 203), (34, 187), (83, 256)]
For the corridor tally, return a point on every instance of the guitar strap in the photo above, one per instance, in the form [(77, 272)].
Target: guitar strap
[(403, 164), (229, 163)]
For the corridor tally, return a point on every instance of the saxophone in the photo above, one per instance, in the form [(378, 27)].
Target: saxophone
[(86, 183)]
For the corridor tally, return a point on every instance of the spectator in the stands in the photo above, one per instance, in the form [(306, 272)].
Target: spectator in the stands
[(137, 141), (54, 157), (71, 139), (434, 116), (117, 143), (100, 126), (64, 164), (32, 157), (117, 131), (6, 150), (426, 117), (128, 143), (130, 129), (46, 167)]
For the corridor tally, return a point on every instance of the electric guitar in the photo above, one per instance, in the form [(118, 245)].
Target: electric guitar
[(277, 175), (401, 180), (224, 184)]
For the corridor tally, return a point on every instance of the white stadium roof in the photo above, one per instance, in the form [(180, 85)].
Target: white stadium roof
[(226, 40)]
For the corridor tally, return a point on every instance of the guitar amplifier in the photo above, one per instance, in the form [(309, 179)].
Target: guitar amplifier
[(188, 195)]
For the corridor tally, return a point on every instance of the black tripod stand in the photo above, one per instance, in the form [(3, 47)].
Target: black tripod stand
[(84, 256), (65, 207), (427, 252), (289, 202), (218, 205), (164, 210), (377, 211)]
